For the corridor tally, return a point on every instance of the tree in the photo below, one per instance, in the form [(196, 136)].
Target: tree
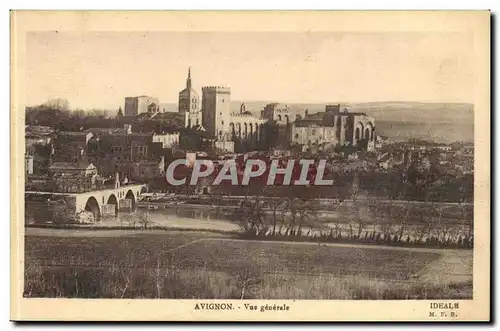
[(271, 130), (362, 215), (337, 228), (250, 215), (283, 213), (246, 279), (307, 213), (355, 187), (120, 112), (136, 217), (62, 212), (442, 227), (359, 220), (386, 228), (144, 219), (425, 224), (467, 212), (274, 202), (57, 103)]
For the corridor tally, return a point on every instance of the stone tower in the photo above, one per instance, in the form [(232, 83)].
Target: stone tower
[(189, 104), (216, 110)]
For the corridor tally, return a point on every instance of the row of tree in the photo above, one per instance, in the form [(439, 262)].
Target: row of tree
[(449, 240), (296, 216)]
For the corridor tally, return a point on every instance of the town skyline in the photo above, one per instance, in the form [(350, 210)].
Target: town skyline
[(300, 66)]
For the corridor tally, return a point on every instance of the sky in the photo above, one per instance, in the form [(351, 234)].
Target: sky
[(100, 69)]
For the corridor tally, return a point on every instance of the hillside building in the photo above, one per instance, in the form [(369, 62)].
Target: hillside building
[(278, 112), (140, 105), (220, 122), (189, 104), (335, 128)]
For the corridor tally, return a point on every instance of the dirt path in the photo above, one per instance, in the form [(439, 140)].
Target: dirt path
[(362, 246), (218, 236), (48, 232), (454, 266)]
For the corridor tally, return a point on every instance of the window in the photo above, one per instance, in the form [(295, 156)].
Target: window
[(296, 136), (222, 122)]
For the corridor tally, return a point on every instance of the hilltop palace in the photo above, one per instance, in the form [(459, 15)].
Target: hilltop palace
[(336, 126)]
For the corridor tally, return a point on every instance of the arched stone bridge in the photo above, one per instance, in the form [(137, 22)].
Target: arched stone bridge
[(99, 202)]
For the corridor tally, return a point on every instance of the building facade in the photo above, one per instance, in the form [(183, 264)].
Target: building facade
[(216, 110), (167, 139), (284, 118), (72, 169), (313, 133), (28, 159), (70, 146), (335, 128), (278, 112), (38, 135), (140, 105), (225, 125), (189, 104), (246, 127)]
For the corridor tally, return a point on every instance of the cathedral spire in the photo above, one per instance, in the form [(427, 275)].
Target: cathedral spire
[(188, 82)]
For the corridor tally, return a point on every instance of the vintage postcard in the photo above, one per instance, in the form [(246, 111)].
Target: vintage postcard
[(250, 166)]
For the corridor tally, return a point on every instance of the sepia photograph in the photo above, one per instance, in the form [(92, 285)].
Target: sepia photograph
[(253, 169)]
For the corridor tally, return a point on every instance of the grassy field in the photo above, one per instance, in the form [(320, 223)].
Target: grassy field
[(197, 265)]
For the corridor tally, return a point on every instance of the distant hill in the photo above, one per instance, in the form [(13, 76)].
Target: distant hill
[(442, 122)]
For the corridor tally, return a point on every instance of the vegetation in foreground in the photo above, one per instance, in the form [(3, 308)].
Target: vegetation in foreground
[(192, 266), (124, 282)]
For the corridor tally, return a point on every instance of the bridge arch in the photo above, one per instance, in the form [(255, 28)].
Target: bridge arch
[(93, 206), (112, 200), (130, 195)]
